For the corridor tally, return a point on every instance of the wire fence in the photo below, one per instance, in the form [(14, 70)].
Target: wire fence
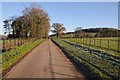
[(8, 44), (111, 44)]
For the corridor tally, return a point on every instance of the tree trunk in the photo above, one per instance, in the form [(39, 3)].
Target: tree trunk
[(57, 35)]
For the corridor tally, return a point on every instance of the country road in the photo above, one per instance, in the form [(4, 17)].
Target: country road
[(45, 61)]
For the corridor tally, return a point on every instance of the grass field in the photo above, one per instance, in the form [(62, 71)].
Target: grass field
[(1, 41), (101, 65), (109, 45), (72, 35)]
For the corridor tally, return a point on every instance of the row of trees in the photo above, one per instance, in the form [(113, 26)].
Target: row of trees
[(92, 32), (108, 32), (97, 32), (33, 23), (80, 33)]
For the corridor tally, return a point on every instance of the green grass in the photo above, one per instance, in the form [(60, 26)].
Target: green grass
[(10, 57), (72, 34), (11, 43), (110, 38), (99, 44), (1, 41), (68, 35), (99, 64)]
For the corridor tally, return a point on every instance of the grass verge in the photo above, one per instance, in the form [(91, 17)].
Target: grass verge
[(11, 57)]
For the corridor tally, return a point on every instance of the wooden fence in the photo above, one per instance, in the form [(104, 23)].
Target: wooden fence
[(11, 43), (110, 44)]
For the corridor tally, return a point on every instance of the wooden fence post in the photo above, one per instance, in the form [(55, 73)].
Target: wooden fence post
[(79, 40), (83, 40), (3, 45), (118, 45), (21, 41), (108, 44), (76, 40), (94, 42), (10, 44), (14, 42), (90, 40), (100, 43)]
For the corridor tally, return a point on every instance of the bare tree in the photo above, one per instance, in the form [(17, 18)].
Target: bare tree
[(34, 22), (58, 29), (79, 32), (38, 21)]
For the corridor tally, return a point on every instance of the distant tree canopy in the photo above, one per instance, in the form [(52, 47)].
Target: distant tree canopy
[(58, 29), (99, 32), (79, 32), (108, 32), (91, 30), (33, 23)]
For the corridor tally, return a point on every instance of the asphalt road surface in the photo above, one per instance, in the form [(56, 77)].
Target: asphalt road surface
[(45, 61)]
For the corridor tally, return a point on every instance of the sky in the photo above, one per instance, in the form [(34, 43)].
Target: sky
[(60, 0), (70, 14)]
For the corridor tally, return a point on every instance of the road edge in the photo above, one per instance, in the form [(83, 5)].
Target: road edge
[(4, 72)]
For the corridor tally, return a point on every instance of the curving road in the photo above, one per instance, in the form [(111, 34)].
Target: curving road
[(45, 61)]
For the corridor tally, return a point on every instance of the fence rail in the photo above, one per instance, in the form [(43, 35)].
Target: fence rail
[(11, 43), (101, 43)]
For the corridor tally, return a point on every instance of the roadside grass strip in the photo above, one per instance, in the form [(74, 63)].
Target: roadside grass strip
[(10, 57)]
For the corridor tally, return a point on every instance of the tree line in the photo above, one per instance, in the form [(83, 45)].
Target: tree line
[(33, 23), (96, 32), (89, 33)]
